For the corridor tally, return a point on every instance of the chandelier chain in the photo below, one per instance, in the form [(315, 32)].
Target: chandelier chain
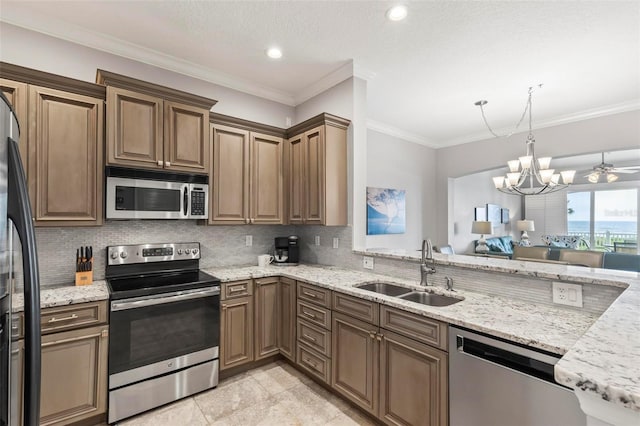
[(527, 108)]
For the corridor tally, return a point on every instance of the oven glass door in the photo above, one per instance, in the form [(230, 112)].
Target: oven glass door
[(144, 335), (146, 199)]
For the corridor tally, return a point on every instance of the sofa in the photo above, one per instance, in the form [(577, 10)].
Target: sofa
[(611, 260), (499, 246)]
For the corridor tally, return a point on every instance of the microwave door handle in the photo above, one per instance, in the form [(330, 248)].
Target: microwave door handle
[(185, 200), (19, 211)]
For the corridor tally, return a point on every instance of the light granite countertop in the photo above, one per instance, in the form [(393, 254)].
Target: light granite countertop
[(601, 355)]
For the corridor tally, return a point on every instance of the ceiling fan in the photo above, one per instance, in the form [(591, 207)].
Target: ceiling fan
[(609, 172)]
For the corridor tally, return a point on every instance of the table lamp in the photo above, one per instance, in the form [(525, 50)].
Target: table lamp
[(524, 226), (483, 228)]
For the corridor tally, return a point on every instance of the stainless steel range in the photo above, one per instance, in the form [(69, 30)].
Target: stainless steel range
[(164, 326)]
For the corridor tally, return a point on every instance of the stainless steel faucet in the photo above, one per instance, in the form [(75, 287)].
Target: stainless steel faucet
[(449, 283), (427, 255)]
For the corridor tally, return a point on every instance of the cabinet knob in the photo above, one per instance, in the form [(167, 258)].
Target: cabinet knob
[(372, 335), (159, 163), (224, 306), (167, 164)]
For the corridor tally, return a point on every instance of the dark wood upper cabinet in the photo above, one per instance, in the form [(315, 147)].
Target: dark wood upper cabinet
[(152, 126), (16, 94)]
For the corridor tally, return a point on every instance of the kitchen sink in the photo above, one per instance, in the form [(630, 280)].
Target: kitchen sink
[(430, 299), (384, 288)]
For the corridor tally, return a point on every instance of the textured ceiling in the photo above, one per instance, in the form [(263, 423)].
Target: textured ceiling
[(429, 69)]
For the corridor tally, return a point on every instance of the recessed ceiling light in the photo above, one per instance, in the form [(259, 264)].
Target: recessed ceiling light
[(397, 13), (274, 53)]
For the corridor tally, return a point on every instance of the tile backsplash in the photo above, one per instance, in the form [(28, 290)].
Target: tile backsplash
[(220, 245)]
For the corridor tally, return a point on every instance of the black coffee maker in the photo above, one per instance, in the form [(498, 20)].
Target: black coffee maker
[(287, 252)]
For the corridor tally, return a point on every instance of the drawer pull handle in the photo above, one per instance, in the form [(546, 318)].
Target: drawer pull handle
[(309, 315), (54, 319), (236, 290), (309, 294), (306, 336), (311, 363), (14, 327)]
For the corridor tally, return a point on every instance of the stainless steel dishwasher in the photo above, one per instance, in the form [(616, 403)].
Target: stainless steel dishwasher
[(495, 383)]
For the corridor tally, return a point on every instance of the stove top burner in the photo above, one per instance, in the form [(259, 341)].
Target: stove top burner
[(144, 285), (146, 269)]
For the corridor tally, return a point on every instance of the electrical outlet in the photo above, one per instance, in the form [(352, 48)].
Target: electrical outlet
[(317, 240), (248, 240), (567, 294), (367, 262), (287, 121), (336, 242)]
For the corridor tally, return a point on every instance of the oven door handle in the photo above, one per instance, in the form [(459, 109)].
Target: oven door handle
[(162, 299)]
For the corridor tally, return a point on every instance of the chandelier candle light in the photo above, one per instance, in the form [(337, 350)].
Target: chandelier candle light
[(529, 167)]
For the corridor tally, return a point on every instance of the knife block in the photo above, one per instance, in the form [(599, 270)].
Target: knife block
[(84, 278)]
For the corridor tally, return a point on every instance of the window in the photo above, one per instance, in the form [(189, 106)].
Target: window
[(607, 219)]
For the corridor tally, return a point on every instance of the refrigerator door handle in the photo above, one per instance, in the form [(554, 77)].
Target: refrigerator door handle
[(19, 211)]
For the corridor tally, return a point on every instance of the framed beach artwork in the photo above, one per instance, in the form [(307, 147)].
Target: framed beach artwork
[(386, 212), (494, 214), (505, 215)]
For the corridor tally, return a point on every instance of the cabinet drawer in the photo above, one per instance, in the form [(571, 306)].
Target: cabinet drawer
[(315, 314), (358, 308), (317, 365), (314, 337), (313, 294), (236, 289), (73, 316), (417, 327)]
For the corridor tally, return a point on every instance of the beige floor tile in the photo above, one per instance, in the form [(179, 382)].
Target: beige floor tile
[(267, 413), (310, 404), (276, 377), (351, 417), (229, 397), (183, 412)]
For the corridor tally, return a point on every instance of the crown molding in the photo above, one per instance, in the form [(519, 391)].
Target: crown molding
[(588, 114), (82, 36), (363, 73), (396, 132), (325, 83)]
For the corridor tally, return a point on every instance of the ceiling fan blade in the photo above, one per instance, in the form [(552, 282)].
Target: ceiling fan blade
[(623, 171), (628, 168)]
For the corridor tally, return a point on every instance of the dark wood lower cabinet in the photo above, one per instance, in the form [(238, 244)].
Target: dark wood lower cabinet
[(287, 318), (74, 375), (413, 382), (236, 332), (266, 317), (355, 361)]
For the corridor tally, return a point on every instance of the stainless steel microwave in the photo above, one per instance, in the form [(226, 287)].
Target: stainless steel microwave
[(150, 194)]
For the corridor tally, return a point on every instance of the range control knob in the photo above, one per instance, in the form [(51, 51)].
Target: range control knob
[(123, 254), (187, 251), (194, 251), (114, 255), (179, 251)]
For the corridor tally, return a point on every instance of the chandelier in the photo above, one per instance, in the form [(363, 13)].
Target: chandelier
[(529, 175)]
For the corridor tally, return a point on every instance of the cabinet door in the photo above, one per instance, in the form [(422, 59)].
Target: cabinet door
[(267, 204), (296, 159), (230, 172), (74, 375), (186, 138), (266, 317), (355, 361), (65, 157), (17, 376), (236, 332), (287, 318), (16, 94), (134, 129), (314, 176), (413, 382)]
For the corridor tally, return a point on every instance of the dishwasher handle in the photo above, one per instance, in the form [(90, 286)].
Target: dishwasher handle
[(510, 359)]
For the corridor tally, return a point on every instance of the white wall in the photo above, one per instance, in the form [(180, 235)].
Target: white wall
[(609, 133), (477, 190), (38, 51), (398, 164), (338, 100)]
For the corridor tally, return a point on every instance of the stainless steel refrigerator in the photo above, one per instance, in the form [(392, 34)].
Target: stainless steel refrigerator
[(19, 280)]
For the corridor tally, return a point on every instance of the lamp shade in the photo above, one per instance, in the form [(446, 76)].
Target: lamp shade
[(525, 225), (481, 227)]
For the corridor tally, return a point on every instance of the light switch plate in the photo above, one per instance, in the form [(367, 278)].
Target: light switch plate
[(248, 240), (336, 242), (367, 262), (567, 294)]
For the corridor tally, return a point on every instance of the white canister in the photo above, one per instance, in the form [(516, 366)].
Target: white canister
[(264, 260)]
